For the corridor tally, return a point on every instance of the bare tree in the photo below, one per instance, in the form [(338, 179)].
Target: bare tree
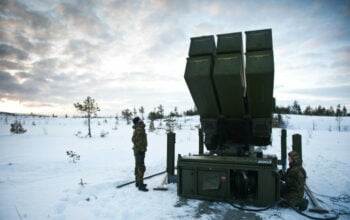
[(89, 107)]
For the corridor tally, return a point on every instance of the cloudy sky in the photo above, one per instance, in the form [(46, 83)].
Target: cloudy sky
[(128, 54)]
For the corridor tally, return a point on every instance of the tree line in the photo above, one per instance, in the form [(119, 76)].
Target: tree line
[(156, 113), (90, 108), (308, 110)]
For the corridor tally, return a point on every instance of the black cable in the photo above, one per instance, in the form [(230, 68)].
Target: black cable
[(255, 210), (342, 198), (309, 216), (294, 208)]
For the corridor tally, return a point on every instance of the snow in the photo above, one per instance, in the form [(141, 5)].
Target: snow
[(39, 181)]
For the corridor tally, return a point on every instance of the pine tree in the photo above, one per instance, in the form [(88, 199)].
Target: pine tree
[(160, 111), (295, 109), (191, 112), (151, 126), (127, 115), (142, 111), (90, 107), (345, 112), (308, 110), (134, 112), (156, 114), (175, 113), (338, 116)]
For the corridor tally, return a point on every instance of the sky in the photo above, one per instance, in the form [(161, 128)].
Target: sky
[(127, 54)]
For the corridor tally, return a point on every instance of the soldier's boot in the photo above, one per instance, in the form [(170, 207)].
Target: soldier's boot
[(142, 184), (143, 188), (140, 170), (303, 204)]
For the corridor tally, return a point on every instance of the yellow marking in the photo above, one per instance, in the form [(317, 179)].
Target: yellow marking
[(259, 56), (227, 58)]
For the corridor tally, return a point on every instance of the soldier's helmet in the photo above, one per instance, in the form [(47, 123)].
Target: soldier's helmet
[(295, 156), (135, 120)]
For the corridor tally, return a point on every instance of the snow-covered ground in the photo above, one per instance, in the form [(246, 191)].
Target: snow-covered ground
[(39, 181)]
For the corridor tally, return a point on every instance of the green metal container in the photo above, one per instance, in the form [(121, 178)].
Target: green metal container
[(198, 76), (259, 40), (233, 179), (229, 43), (204, 45), (260, 81), (227, 76)]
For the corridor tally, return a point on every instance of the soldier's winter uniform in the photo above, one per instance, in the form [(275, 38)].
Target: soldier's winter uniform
[(294, 178), (139, 139)]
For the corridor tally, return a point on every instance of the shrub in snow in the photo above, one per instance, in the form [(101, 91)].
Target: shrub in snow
[(73, 156), (103, 134), (78, 134), (82, 183), (17, 128)]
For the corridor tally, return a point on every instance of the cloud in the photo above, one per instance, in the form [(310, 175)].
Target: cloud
[(28, 31), (31, 21), (324, 96), (6, 77), (11, 52), (11, 88), (9, 65), (23, 75), (82, 17), (331, 92), (340, 61), (46, 64), (127, 52), (82, 52)]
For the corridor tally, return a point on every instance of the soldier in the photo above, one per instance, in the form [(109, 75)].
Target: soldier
[(139, 139), (294, 182)]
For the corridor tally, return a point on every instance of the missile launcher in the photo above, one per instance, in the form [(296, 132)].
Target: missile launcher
[(233, 92)]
